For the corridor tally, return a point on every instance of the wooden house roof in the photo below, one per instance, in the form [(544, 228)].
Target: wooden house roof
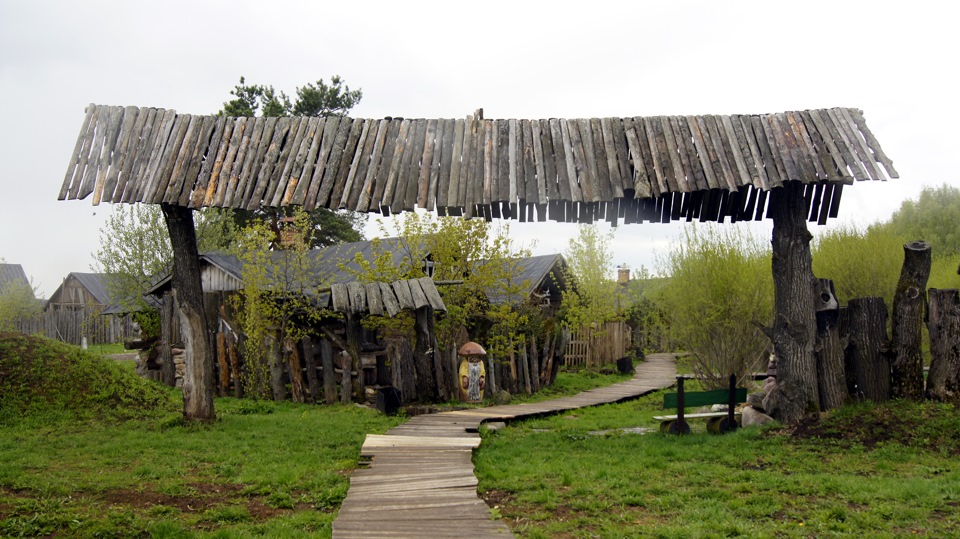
[(13, 274), (94, 283), (633, 169)]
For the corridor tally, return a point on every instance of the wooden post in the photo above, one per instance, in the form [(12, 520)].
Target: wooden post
[(346, 383), (681, 425), (426, 383), (534, 365), (943, 381), (278, 387), (166, 340), (329, 380), (353, 348), (198, 354), (831, 379), (222, 365), (794, 327), (868, 366), (310, 360), (235, 369), (296, 371), (908, 302), (731, 405)]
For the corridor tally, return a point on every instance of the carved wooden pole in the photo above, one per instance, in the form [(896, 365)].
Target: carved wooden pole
[(943, 382), (831, 381), (426, 384), (907, 365), (198, 353), (868, 364), (794, 327)]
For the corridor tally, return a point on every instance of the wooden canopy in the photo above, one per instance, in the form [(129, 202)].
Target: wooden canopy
[(636, 168)]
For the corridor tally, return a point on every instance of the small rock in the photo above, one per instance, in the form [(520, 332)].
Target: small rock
[(718, 408), (494, 426), (756, 399), (502, 397), (750, 416), (769, 384)]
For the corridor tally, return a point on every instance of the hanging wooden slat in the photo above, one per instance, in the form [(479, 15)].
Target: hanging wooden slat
[(271, 151), (404, 297), (340, 297), (305, 175), (432, 294), (641, 175), (133, 190), (374, 299), (194, 180), (209, 180), (78, 158), (331, 127), (774, 167), (333, 165), (124, 140), (358, 297), (391, 305), (417, 295), (258, 145), (731, 143), (743, 127), (872, 143), (859, 144), (350, 151), (231, 169), (358, 165), (696, 177), (126, 183), (368, 190), (676, 175), (281, 186)]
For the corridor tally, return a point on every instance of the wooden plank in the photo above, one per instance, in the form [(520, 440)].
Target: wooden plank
[(109, 152), (654, 141), (374, 299), (446, 163), (432, 294), (331, 127), (91, 170), (352, 147), (623, 153), (138, 166), (598, 163), (427, 163), (257, 148), (527, 159), (358, 165), (695, 124), (127, 181), (232, 174), (458, 191), (829, 130), (771, 158), (294, 148), (456, 161), (181, 163), (416, 292), (304, 176), (213, 165), (390, 303), (367, 193), (256, 192), (193, 180), (293, 169), (539, 166), (579, 146), (673, 165), (717, 142), (827, 168), (514, 160), (872, 143), (489, 161), (402, 291), (748, 144), (614, 180), (333, 166), (576, 195), (501, 185), (125, 142), (340, 297), (641, 178), (821, 130), (406, 171), (164, 166), (809, 149), (77, 156), (560, 161), (357, 296), (857, 141), (696, 177), (435, 164), (730, 137)]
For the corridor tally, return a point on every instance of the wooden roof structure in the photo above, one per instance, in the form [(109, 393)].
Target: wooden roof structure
[(636, 169)]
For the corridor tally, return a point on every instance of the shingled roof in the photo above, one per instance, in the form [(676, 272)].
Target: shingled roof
[(634, 168)]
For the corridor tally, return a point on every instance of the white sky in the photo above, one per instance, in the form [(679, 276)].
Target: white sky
[(898, 62)]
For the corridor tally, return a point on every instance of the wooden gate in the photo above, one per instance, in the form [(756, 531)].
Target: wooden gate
[(596, 346)]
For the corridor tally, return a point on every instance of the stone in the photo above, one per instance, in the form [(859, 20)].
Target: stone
[(750, 416), (494, 426), (502, 397), (769, 385), (756, 399)]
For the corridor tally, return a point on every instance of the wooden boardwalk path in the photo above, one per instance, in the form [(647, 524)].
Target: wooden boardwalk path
[(420, 481)]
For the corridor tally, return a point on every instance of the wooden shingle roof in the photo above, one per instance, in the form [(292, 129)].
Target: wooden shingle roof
[(635, 168)]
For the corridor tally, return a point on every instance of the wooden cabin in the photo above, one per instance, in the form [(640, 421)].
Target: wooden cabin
[(79, 308)]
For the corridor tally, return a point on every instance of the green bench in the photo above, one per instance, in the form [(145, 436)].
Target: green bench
[(717, 422)]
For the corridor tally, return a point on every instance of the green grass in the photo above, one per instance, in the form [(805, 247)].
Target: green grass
[(847, 476)]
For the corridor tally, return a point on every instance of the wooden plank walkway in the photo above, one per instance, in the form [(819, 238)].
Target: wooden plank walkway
[(420, 482)]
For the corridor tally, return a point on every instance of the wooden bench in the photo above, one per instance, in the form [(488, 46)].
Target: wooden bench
[(717, 422)]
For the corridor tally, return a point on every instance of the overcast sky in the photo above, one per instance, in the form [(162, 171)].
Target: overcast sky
[(898, 62)]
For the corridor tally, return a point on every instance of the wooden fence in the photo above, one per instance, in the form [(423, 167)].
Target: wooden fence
[(71, 325), (602, 345)]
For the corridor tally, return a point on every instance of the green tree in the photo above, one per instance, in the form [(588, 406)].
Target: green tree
[(313, 99), (17, 302), (135, 249), (719, 288), (861, 262), (933, 217), (593, 298)]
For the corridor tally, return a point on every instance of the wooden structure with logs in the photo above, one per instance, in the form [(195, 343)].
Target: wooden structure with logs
[(633, 168)]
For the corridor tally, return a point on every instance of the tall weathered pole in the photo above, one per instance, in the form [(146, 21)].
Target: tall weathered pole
[(906, 380), (794, 326), (198, 353)]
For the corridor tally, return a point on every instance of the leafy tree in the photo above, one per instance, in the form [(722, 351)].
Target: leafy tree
[(594, 297), (336, 99), (135, 249), (934, 217), (862, 262), (17, 302), (719, 288)]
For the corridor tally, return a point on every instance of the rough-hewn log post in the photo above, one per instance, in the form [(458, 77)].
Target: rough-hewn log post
[(353, 347), (943, 381), (310, 360), (907, 363), (422, 357), (167, 367), (868, 365), (831, 381), (794, 327), (198, 353), (278, 386), (295, 369), (329, 378)]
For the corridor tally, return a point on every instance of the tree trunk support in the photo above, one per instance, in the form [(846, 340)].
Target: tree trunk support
[(943, 381), (198, 353), (906, 381)]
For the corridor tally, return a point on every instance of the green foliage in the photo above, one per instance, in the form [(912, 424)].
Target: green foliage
[(934, 218), (17, 302), (468, 250), (719, 288), (44, 378), (651, 331), (135, 248), (320, 99), (275, 305), (594, 297), (862, 262)]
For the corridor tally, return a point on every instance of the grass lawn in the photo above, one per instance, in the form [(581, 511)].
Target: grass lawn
[(889, 471)]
